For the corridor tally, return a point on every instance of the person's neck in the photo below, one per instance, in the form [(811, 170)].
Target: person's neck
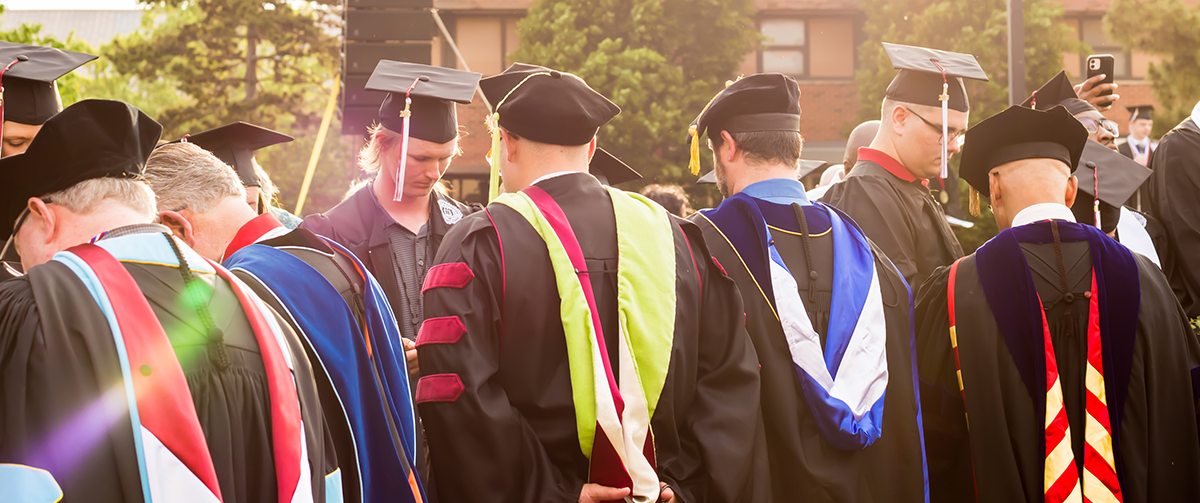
[(750, 175), (887, 145), (540, 169), (80, 228), (1134, 138), (412, 212)]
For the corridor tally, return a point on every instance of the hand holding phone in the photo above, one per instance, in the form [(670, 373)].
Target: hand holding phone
[(1099, 86)]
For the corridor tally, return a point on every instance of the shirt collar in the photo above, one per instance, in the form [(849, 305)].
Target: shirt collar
[(778, 191), (131, 229), (555, 174), (891, 165), (1196, 113), (259, 228), (1043, 211)]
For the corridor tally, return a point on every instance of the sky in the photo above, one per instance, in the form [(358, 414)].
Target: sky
[(69, 4)]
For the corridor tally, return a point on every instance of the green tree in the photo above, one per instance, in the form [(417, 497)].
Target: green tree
[(660, 61), (1168, 28), (978, 27), (68, 85)]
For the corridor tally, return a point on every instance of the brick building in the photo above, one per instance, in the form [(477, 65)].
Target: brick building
[(813, 40)]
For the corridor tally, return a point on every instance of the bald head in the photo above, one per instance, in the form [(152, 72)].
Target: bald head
[(860, 137), (1020, 184)]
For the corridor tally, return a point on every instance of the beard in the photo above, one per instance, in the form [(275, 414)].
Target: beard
[(722, 185)]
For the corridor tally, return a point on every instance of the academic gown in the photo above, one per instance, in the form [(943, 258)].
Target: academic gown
[(61, 406), (1156, 443), (1172, 200), (899, 216), (510, 433), (1139, 200), (369, 441), (804, 466)]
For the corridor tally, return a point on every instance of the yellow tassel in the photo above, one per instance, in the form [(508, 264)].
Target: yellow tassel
[(974, 202), (694, 160), (494, 158)]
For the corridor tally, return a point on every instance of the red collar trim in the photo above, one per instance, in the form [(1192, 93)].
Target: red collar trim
[(891, 165), (250, 233)]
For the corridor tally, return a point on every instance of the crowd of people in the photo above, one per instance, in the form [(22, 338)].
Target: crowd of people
[(168, 335)]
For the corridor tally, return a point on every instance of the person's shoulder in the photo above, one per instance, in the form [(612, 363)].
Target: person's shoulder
[(349, 222)]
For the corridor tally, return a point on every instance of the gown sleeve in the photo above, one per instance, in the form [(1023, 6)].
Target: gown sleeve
[(876, 209), (725, 418), (942, 410), (1174, 182), (482, 449)]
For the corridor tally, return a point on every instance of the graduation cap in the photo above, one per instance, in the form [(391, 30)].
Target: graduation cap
[(1019, 133), (234, 144), (27, 80), (90, 139), (760, 102), (545, 106), (1058, 91), (420, 103), (806, 168), (1141, 112), (610, 170), (932, 78), (1111, 179)]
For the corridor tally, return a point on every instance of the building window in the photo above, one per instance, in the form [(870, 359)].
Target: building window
[(485, 42), (785, 49), (1091, 32)]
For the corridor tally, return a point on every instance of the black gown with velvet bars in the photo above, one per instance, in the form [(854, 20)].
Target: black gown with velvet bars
[(61, 405), (804, 466), (1150, 358), (508, 432)]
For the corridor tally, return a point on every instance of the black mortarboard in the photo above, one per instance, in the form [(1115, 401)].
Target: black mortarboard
[(1120, 177), (760, 102), (924, 71), (1141, 112), (1058, 91), (433, 90), (90, 139), (547, 106), (30, 94), (806, 168), (610, 170), (1019, 133), (234, 144)]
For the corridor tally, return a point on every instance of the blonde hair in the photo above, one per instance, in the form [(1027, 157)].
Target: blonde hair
[(184, 175), (370, 156), (86, 197)]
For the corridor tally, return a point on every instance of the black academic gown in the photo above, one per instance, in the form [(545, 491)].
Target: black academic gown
[(1173, 187), (804, 466), (511, 435), (58, 361), (900, 217), (1159, 453)]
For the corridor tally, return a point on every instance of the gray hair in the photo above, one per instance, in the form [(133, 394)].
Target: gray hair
[(86, 197), (184, 175)]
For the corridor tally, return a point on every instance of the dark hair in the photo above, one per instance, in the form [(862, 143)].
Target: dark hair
[(766, 146), (670, 197)]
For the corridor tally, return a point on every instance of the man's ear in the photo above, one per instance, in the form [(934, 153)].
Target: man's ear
[(731, 146), (899, 117), (510, 145), (40, 214), (180, 226), (591, 149), (1072, 191), (996, 193)]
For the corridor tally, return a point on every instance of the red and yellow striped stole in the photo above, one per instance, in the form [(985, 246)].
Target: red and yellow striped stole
[(1061, 482)]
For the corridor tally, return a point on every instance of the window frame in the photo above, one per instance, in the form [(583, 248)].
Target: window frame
[(765, 46), (1115, 50)]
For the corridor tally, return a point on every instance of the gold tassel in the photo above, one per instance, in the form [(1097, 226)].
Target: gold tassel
[(974, 202), (494, 159), (694, 160)]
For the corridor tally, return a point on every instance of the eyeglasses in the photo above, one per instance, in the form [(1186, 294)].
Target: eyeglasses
[(1094, 125), (955, 136)]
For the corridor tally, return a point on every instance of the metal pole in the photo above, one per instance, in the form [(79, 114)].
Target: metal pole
[(1016, 51), (454, 47)]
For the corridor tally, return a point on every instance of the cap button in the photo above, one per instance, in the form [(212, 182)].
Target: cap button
[(555, 74), (423, 79), (22, 58), (1090, 164)]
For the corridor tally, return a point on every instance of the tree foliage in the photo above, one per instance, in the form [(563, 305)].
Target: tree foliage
[(68, 85), (660, 61), (1168, 28), (978, 27)]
